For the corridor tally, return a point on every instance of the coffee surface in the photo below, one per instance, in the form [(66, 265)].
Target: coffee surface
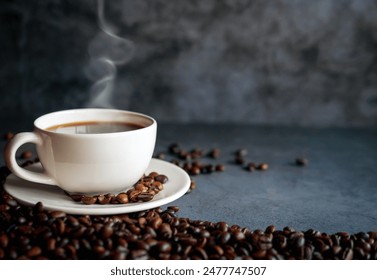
[(94, 127)]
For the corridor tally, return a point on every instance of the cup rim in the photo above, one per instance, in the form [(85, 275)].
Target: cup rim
[(39, 121)]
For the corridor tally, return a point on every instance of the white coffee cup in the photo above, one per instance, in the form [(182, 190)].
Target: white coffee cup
[(91, 163)]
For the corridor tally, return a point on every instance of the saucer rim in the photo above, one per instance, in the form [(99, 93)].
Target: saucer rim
[(110, 209)]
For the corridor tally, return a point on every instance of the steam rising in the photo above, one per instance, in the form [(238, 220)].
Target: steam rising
[(106, 51)]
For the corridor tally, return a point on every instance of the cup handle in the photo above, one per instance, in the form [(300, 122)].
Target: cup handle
[(10, 158)]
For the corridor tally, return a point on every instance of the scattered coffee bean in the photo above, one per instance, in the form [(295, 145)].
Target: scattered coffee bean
[(239, 160), (161, 156), (196, 153), (214, 153), (192, 187), (262, 166), (174, 148), (26, 155), (301, 161), (241, 153), (195, 170), (251, 166), (220, 167), (9, 135)]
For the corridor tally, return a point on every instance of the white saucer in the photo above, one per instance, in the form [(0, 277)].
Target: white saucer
[(54, 198)]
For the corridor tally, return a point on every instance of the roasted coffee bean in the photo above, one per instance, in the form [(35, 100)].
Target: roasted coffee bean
[(195, 170), (38, 207), (76, 197), (102, 199), (57, 214), (34, 251), (4, 240), (147, 179), (4, 207), (173, 208), (161, 156), (220, 167), (106, 232), (270, 229), (241, 152), (158, 186), (164, 247), (139, 254), (141, 187), (301, 161), (145, 197), (196, 153), (11, 202), (122, 198), (192, 185), (299, 241), (217, 250), (222, 226), (174, 148), (60, 226), (156, 222), (262, 166), (165, 230), (238, 235), (73, 221), (239, 160), (209, 168), (26, 155), (51, 244), (89, 200), (224, 237), (214, 153), (251, 166), (133, 194), (182, 154), (42, 218), (9, 135), (347, 254), (176, 162), (260, 254)]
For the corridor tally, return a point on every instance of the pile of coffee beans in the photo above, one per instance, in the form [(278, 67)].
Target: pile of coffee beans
[(36, 233), (144, 190)]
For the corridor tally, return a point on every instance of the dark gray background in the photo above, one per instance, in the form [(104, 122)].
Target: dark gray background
[(310, 63)]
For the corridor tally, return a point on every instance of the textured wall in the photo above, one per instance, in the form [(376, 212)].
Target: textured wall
[(275, 62)]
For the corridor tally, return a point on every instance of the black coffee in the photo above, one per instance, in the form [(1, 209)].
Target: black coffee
[(94, 127)]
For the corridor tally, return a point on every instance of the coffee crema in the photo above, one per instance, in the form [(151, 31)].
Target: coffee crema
[(94, 127)]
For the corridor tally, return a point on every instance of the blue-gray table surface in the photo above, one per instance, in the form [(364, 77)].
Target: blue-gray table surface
[(336, 191)]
